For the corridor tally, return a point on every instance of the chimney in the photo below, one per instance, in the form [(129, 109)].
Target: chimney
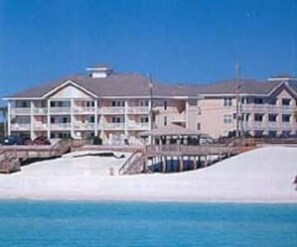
[(99, 71)]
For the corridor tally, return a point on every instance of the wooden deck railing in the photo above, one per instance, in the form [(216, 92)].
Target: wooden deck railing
[(177, 149)]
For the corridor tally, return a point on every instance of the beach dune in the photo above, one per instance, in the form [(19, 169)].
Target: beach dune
[(262, 175)]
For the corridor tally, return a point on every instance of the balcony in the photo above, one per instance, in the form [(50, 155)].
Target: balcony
[(288, 109), (20, 111), (60, 110), (258, 125), (60, 126), (40, 111), (286, 126), (84, 126), (113, 110), (138, 126), (21, 126), (273, 125), (40, 126), (138, 110), (85, 110), (114, 126)]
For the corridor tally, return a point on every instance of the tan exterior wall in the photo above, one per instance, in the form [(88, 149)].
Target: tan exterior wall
[(211, 117)]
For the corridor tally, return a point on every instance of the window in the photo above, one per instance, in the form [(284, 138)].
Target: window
[(144, 119), (272, 101), (286, 101), (286, 118), (165, 105), (24, 104), (165, 121), (117, 119), (90, 103), (118, 103), (272, 133), (272, 117), (144, 103), (228, 119), (199, 111), (258, 117), (246, 117), (227, 101), (198, 126), (259, 101)]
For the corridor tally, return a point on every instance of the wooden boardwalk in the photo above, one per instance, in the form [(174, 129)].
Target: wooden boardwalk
[(197, 156), (12, 156)]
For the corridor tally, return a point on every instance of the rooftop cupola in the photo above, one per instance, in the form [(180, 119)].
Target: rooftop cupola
[(99, 71)]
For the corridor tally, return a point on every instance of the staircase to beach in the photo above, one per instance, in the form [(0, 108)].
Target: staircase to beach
[(135, 164), (9, 162)]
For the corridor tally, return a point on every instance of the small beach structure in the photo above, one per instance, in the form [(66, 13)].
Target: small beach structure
[(174, 149)]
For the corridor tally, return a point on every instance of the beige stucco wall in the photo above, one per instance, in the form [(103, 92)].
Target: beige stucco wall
[(212, 116)]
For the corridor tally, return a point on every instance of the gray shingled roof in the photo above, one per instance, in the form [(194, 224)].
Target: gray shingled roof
[(244, 87), (120, 85)]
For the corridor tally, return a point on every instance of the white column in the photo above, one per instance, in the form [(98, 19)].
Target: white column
[(126, 119), (9, 118), (31, 120), (48, 118), (187, 114), (150, 119), (72, 117), (96, 118)]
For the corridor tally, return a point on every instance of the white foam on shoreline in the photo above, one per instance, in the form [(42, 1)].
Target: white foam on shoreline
[(264, 175)]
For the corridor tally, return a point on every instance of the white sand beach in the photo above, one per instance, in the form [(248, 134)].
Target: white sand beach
[(263, 175)]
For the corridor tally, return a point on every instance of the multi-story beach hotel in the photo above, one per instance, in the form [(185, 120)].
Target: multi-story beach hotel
[(117, 107)]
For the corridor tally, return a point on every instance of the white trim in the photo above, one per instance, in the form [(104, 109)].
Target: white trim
[(48, 119), (96, 118), (8, 118), (29, 98), (32, 120), (68, 82)]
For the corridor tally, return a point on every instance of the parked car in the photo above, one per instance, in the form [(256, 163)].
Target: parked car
[(41, 140), (13, 140)]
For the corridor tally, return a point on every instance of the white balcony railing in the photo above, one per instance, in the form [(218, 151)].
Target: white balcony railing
[(20, 111), (60, 126), (40, 111), (114, 126), (60, 110), (21, 126), (85, 110), (138, 110), (40, 126), (138, 126), (286, 125), (113, 110), (259, 125), (273, 125), (84, 126), (287, 109)]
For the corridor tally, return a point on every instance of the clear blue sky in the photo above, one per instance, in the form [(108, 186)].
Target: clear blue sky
[(196, 41)]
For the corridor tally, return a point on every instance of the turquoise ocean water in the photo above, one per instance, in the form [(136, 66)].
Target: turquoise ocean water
[(32, 223)]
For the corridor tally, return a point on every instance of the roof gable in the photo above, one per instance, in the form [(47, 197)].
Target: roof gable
[(69, 89)]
